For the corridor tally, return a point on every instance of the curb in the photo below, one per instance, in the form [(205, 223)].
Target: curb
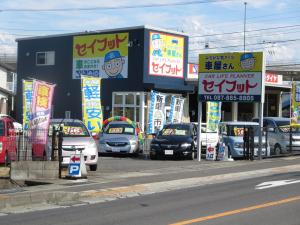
[(61, 198)]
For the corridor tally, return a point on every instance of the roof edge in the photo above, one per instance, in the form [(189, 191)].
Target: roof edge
[(102, 31)]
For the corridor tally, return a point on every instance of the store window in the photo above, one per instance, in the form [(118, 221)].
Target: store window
[(45, 58), (127, 104)]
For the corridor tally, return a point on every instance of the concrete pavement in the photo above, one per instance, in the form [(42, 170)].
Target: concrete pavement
[(109, 185)]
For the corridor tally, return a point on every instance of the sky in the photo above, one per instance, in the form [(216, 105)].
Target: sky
[(272, 26)]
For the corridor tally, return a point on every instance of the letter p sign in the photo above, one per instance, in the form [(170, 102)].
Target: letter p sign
[(74, 169)]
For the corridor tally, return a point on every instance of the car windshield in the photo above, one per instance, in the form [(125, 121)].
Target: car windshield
[(119, 129), (71, 129), (238, 130), (1, 128), (284, 126), (176, 130)]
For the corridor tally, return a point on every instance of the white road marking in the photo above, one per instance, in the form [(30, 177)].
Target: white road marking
[(277, 183)]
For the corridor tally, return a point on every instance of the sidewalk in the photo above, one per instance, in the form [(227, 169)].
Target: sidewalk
[(110, 186)]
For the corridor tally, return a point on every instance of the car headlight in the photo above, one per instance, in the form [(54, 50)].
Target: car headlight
[(1, 146), (239, 145), (154, 145), (92, 145), (185, 145), (133, 142), (102, 142)]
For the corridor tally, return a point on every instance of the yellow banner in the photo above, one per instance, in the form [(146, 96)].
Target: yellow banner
[(27, 102), (231, 62), (295, 119), (91, 46), (91, 103)]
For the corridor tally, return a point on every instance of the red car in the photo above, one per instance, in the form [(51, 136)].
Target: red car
[(8, 146)]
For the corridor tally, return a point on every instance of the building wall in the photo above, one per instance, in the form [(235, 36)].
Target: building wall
[(67, 95), (3, 78)]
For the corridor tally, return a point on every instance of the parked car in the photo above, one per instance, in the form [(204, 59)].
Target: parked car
[(208, 137), (278, 134), (232, 133), (8, 147), (76, 138), (175, 140), (119, 137), (17, 126)]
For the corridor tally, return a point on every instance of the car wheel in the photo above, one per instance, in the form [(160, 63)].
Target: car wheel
[(277, 150), (7, 159), (153, 157), (192, 156), (93, 167)]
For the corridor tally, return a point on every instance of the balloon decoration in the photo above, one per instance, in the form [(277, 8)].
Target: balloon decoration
[(125, 119)]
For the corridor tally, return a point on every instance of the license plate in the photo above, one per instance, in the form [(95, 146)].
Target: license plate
[(116, 149), (168, 152)]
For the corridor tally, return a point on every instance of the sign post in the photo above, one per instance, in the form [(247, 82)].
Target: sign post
[(77, 168), (232, 77)]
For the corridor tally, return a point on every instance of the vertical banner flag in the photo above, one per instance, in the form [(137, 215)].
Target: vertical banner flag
[(91, 103), (101, 55), (295, 119), (156, 118), (213, 115), (176, 110), (41, 110), (27, 102)]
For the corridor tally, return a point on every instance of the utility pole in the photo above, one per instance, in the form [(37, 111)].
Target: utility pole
[(245, 15)]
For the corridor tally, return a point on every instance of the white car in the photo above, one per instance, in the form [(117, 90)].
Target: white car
[(76, 139), (208, 137)]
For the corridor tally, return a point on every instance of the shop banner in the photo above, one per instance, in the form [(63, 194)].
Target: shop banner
[(176, 110), (193, 73), (41, 111), (231, 77), (166, 55), (27, 102), (213, 115), (91, 103), (156, 117), (295, 119), (101, 55)]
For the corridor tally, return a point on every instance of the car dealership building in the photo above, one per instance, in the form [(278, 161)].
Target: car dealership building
[(131, 62)]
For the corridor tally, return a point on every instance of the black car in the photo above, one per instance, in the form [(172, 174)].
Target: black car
[(175, 140)]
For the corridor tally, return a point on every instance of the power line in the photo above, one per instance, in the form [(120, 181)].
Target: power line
[(115, 7), (238, 38), (258, 43), (247, 31)]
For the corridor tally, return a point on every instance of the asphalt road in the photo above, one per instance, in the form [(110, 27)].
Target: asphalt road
[(231, 203)]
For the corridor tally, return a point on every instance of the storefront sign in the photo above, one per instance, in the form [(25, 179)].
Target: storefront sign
[(156, 115), (192, 71), (213, 115), (210, 152), (91, 103), (41, 111), (272, 78), (295, 119), (166, 55), (27, 102), (101, 55), (231, 77), (176, 111)]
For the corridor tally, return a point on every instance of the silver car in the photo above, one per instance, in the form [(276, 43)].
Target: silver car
[(119, 137), (278, 134), (76, 139)]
